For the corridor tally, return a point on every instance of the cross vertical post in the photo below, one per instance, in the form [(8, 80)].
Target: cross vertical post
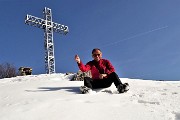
[(48, 43), (49, 27)]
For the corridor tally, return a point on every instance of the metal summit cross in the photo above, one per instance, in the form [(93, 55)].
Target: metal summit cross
[(49, 27)]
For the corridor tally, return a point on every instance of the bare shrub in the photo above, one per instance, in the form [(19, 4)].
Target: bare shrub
[(7, 70)]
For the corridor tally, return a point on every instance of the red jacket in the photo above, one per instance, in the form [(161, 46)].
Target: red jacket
[(103, 66)]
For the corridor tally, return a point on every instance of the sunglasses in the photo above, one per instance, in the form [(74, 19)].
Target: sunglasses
[(96, 55)]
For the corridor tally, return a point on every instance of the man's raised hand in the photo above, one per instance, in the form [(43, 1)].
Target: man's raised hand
[(77, 59)]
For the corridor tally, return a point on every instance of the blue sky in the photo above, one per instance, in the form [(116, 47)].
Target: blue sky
[(141, 38)]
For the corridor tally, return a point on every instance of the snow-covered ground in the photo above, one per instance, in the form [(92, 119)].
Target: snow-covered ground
[(55, 97)]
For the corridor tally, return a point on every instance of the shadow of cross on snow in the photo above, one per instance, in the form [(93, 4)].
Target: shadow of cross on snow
[(45, 89)]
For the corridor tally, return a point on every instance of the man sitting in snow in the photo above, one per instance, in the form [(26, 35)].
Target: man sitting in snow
[(103, 74)]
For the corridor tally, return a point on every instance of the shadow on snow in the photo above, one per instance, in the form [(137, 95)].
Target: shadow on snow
[(46, 89)]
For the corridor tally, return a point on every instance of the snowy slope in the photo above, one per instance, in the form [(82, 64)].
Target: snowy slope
[(55, 97)]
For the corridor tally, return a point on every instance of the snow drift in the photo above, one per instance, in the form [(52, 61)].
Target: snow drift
[(55, 97)]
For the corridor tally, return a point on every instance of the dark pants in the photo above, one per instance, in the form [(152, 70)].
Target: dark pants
[(102, 83)]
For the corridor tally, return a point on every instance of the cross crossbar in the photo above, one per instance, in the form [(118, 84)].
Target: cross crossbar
[(40, 23)]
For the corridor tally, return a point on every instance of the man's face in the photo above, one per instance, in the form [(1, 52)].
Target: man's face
[(97, 55)]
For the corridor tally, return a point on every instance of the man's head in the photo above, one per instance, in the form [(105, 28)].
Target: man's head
[(96, 54)]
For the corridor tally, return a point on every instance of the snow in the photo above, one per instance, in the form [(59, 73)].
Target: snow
[(55, 97)]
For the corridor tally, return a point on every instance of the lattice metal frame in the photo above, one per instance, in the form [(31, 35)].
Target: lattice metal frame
[(49, 27)]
